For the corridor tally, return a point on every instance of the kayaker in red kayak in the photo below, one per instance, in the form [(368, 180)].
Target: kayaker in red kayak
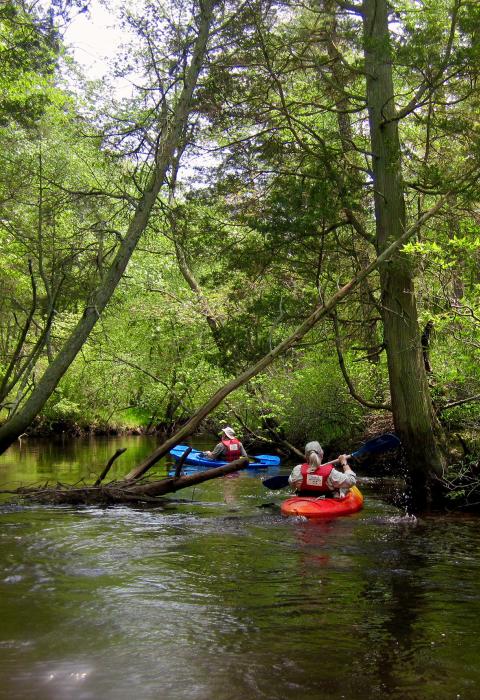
[(229, 449), (312, 478)]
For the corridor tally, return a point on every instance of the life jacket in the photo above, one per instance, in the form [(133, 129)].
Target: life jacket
[(232, 449), (317, 480)]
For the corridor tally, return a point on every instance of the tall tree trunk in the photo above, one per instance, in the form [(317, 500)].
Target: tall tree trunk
[(413, 414), (167, 145), (340, 73)]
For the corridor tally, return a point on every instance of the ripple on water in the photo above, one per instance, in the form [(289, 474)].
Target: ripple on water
[(200, 601)]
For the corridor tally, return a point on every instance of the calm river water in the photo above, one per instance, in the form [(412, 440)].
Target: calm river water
[(220, 597)]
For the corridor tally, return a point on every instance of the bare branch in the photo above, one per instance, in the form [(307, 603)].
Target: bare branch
[(351, 387), (460, 402), (427, 88)]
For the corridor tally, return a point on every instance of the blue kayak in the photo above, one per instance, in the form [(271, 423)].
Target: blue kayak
[(196, 459)]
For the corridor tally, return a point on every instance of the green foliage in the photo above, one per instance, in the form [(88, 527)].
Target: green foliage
[(56, 237), (462, 480), (447, 254), (310, 401), (268, 229), (28, 55)]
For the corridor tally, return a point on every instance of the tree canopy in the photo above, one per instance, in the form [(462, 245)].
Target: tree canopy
[(194, 236)]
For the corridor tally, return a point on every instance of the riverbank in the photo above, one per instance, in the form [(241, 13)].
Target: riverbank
[(459, 486)]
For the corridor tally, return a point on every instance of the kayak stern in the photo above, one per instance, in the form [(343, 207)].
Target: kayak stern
[(314, 507)]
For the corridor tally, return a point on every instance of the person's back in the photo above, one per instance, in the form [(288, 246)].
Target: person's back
[(232, 448), (229, 449), (312, 478)]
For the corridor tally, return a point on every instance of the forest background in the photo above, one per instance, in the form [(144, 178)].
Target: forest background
[(204, 232)]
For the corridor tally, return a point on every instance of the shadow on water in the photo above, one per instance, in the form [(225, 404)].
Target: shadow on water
[(218, 597)]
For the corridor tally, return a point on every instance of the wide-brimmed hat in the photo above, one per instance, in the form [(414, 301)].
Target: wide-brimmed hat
[(229, 432), (313, 446)]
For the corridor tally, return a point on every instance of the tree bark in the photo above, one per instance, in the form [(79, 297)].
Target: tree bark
[(167, 145), (158, 488), (340, 75), (413, 414)]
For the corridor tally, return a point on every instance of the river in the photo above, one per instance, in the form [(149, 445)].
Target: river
[(220, 597)]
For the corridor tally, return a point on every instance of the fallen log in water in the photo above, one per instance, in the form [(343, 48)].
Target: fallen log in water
[(123, 492)]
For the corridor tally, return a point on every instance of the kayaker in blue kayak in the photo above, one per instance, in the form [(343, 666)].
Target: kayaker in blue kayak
[(229, 449), (312, 478)]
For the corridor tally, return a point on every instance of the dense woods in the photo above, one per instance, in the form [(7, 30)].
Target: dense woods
[(278, 229)]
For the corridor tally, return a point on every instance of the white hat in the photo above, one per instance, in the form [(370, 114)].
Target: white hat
[(229, 432)]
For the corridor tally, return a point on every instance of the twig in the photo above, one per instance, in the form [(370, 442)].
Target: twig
[(109, 464), (460, 402), (181, 462)]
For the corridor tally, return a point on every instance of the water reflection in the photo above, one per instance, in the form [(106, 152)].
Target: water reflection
[(35, 461), (217, 597)]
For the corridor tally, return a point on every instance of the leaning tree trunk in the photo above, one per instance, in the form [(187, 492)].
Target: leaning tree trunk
[(166, 149), (321, 311), (413, 414)]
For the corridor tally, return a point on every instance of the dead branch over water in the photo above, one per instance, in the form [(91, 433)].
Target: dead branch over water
[(117, 492)]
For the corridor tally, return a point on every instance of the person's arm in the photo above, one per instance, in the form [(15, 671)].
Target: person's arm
[(342, 479), (243, 451), (295, 479), (216, 453)]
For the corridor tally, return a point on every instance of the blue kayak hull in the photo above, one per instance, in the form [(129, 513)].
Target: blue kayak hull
[(196, 459)]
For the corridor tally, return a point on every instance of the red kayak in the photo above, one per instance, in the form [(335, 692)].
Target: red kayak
[(314, 507)]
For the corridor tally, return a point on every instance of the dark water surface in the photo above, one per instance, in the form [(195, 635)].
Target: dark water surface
[(219, 597)]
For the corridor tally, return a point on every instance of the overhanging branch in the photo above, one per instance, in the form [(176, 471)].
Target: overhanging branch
[(321, 311)]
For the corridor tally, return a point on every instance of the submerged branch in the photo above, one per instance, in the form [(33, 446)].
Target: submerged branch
[(109, 464), (124, 492)]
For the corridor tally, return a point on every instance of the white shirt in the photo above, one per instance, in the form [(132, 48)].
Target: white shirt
[(339, 482)]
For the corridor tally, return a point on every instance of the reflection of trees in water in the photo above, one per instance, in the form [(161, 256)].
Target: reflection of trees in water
[(330, 609), (390, 604), (70, 459)]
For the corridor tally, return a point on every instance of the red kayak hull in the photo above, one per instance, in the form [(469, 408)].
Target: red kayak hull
[(313, 507)]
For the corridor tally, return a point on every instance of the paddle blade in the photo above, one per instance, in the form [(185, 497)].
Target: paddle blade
[(377, 445), (271, 460), (276, 482)]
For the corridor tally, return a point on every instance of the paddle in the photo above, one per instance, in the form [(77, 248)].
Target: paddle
[(265, 460), (270, 460), (377, 445)]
